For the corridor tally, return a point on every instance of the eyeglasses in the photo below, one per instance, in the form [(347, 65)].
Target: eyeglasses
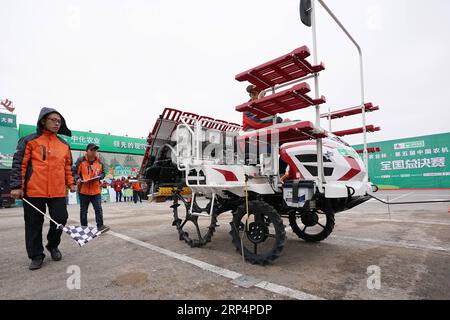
[(56, 121)]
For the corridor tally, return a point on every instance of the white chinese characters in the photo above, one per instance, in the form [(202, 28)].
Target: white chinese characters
[(438, 162)]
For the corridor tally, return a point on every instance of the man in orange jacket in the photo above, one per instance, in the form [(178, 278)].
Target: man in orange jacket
[(41, 173), (137, 191), (88, 171)]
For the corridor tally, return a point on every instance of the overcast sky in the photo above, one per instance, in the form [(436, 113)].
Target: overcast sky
[(113, 65)]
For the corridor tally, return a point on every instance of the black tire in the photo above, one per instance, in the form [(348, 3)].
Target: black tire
[(302, 233), (266, 217), (180, 220)]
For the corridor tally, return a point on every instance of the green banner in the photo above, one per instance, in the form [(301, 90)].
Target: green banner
[(419, 162), (107, 143), (8, 120), (8, 144)]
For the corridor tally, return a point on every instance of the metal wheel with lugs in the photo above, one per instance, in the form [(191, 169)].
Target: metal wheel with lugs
[(263, 237), (312, 226), (195, 230)]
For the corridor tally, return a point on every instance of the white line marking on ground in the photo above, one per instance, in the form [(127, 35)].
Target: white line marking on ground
[(429, 194), (229, 274), (399, 244), (402, 196), (296, 294), (439, 223)]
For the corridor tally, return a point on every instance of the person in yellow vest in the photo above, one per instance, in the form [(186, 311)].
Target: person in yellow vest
[(88, 171)]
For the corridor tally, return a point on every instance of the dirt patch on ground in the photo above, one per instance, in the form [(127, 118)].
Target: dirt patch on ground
[(135, 279)]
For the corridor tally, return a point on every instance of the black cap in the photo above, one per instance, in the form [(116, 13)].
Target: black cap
[(92, 146)]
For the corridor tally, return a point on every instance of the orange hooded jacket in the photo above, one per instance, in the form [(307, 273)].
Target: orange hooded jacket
[(42, 162)]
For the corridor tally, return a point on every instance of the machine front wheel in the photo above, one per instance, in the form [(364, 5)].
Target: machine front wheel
[(260, 235)]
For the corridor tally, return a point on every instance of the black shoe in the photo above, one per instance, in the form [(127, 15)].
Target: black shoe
[(55, 253), (103, 229), (36, 263)]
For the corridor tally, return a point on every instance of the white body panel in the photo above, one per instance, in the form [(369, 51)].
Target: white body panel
[(231, 178), (341, 162)]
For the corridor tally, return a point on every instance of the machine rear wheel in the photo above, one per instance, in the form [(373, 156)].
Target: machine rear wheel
[(195, 230), (313, 226), (262, 236)]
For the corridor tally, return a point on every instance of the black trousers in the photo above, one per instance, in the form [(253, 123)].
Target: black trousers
[(96, 201), (34, 222), (119, 196), (137, 195)]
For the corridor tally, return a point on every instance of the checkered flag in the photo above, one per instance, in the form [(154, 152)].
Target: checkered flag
[(81, 235)]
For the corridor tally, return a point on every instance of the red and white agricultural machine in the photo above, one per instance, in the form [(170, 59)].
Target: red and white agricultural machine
[(294, 169)]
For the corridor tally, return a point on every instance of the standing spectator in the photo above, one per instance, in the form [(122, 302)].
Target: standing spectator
[(118, 189), (128, 192), (123, 183), (137, 191), (124, 189), (144, 190), (88, 172), (41, 172)]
